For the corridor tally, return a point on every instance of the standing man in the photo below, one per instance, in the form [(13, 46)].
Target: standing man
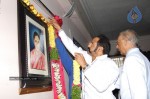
[(135, 76), (99, 73)]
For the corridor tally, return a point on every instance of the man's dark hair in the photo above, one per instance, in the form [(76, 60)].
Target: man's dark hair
[(104, 42)]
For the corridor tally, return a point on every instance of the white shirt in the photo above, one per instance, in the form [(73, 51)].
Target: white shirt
[(135, 77), (99, 78)]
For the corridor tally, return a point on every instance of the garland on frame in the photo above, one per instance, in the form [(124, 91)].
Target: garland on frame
[(76, 86), (57, 68)]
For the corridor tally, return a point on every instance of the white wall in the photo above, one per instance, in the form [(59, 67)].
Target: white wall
[(9, 54)]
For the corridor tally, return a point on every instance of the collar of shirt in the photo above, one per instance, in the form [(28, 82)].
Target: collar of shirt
[(132, 51), (100, 57)]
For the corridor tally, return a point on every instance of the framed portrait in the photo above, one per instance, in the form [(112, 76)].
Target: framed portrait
[(34, 61), (36, 46)]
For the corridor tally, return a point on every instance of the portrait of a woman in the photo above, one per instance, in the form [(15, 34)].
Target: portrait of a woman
[(37, 58)]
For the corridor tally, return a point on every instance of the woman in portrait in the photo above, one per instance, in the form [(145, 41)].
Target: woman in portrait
[(37, 57)]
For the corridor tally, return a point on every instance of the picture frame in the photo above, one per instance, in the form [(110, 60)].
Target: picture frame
[(34, 61)]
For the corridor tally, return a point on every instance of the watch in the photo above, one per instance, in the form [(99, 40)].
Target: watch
[(86, 66)]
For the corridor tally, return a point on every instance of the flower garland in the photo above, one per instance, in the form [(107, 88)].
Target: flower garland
[(34, 11), (58, 77), (76, 73), (76, 89), (57, 70), (51, 36)]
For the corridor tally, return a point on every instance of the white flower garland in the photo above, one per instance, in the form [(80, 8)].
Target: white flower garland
[(57, 79)]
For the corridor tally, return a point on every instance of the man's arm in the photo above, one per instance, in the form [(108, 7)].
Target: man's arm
[(72, 48)]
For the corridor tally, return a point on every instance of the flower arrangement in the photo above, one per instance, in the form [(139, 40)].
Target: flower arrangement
[(57, 78), (76, 73), (76, 88), (34, 11), (57, 71)]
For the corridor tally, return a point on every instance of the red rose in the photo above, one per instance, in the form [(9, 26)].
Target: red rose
[(58, 19)]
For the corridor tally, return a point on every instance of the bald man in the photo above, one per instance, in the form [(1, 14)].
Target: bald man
[(135, 75)]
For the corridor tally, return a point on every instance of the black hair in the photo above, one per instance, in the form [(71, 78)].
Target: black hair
[(104, 42), (36, 34)]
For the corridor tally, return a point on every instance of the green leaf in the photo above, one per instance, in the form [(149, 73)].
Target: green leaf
[(76, 92), (54, 54)]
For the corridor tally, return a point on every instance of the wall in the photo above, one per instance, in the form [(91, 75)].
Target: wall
[(9, 54), (9, 45)]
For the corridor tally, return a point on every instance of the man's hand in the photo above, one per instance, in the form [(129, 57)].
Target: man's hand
[(55, 24), (80, 59)]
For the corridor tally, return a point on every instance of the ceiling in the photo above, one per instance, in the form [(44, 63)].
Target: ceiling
[(109, 17)]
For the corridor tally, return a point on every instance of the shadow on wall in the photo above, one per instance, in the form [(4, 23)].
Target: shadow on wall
[(147, 54)]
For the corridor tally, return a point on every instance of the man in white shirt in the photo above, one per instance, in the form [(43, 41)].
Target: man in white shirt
[(99, 72), (135, 76)]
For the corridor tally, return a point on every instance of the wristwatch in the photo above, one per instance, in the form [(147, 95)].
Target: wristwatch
[(86, 66)]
